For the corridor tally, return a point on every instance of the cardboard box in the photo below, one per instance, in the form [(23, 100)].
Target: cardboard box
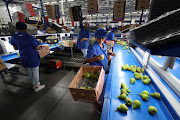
[(93, 6), (119, 10), (55, 63), (75, 13), (18, 17), (68, 43), (2, 65), (44, 51), (50, 9), (84, 94), (28, 9), (142, 4)]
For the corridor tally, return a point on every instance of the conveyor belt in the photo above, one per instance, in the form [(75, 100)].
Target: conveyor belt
[(119, 76)]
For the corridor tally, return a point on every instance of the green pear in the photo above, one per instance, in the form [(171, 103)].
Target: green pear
[(136, 73), (141, 77), (129, 102), (156, 95), (125, 68), (123, 84), (82, 88), (127, 65), (145, 76), (124, 48), (91, 74), (129, 68), (122, 108), (95, 76), (145, 81), (145, 92), (124, 91), (138, 70), (142, 70), (132, 80), (152, 110), (144, 97), (122, 96), (137, 77), (89, 87), (135, 66), (133, 70), (137, 104), (87, 75), (126, 88), (128, 51), (149, 80)]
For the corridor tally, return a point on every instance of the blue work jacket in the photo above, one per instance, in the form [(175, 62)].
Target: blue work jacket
[(83, 34), (27, 48), (110, 36), (95, 50)]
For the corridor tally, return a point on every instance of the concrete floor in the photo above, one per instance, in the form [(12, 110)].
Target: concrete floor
[(19, 102)]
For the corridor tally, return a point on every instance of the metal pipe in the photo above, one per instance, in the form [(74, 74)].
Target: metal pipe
[(8, 10), (141, 17), (41, 1)]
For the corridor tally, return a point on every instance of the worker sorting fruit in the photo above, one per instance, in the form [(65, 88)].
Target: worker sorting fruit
[(111, 34), (97, 53), (83, 38)]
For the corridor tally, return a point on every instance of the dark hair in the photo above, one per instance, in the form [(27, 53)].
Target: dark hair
[(21, 26)]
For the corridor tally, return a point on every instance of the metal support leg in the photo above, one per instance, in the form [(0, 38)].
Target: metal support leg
[(41, 1), (141, 17), (71, 52), (169, 62)]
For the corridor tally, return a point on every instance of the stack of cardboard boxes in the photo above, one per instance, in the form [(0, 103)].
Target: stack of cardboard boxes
[(44, 51), (18, 17), (119, 10), (75, 13), (28, 9), (53, 11), (142, 4), (93, 6)]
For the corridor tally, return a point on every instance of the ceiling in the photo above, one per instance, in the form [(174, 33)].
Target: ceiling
[(106, 6)]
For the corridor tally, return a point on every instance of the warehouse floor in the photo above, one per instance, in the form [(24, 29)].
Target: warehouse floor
[(19, 102)]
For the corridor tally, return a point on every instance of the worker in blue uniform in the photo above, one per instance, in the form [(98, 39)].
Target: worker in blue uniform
[(95, 51), (83, 38), (111, 34), (29, 56)]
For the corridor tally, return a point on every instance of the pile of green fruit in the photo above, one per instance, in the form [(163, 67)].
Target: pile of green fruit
[(144, 95), (88, 88), (123, 107), (91, 75)]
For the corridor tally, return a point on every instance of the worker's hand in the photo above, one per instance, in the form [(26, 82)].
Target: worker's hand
[(82, 39), (97, 58), (113, 54)]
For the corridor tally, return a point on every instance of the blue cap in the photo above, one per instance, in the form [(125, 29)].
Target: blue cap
[(114, 28), (100, 33), (21, 26)]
